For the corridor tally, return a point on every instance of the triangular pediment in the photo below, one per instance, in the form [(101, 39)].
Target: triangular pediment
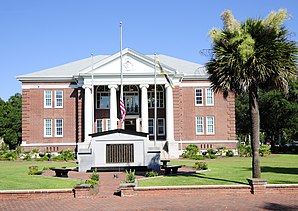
[(133, 63)]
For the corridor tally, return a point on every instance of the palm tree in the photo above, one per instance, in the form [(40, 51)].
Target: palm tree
[(249, 56)]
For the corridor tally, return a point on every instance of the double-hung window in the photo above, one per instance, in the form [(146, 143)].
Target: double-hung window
[(47, 99), (199, 125), (209, 97), (198, 97), (210, 124), (58, 127), (160, 126), (47, 128), (58, 99), (99, 125)]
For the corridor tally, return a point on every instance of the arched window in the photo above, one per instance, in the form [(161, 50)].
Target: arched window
[(102, 97), (159, 96), (131, 98)]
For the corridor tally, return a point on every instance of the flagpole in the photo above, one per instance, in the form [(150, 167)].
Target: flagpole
[(121, 87), (155, 101), (92, 93)]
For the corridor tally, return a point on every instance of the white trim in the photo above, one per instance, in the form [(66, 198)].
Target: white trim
[(44, 128), (199, 84), (202, 92), (56, 128), (210, 104), (47, 144), (44, 99), (55, 93), (213, 125), (48, 86), (196, 119)]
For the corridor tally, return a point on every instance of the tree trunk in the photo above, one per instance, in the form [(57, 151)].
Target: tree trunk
[(255, 127)]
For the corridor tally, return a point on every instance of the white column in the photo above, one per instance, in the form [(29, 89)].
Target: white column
[(169, 113), (88, 112), (113, 106), (144, 108)]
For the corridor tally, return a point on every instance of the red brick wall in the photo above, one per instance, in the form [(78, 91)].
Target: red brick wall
[(185, 112), (34, 114)]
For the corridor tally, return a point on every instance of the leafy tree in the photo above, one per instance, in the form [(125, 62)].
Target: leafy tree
[(279, 115), (252, 55), (11, 120)]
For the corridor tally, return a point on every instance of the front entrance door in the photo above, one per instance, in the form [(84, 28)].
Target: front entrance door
[(130, 124)]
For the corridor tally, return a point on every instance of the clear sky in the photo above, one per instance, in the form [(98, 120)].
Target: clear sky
[(37, 34)]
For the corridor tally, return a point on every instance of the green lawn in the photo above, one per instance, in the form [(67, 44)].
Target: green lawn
[(14, 176), (277, 169)]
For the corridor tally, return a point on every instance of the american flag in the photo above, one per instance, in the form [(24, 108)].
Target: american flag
[(123, 110)]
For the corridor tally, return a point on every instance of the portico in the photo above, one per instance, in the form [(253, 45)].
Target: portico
[(102, 106)]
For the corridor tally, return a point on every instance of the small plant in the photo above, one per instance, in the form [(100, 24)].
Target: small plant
[(230, 153), (35, 150), (27, 156), (151, 174), (94, 176), (33, 170), (201, 165), (264, 150), (130, 176), (211, 156)]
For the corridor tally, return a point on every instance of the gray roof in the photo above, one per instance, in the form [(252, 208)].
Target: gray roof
[(72, 69)]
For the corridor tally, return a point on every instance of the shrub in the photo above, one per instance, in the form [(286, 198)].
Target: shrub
[(94, 176), (198, 157), (91, 182), (201, 165), (221, 150), (211, 156), (192, 149), (230, 153), (36, 150), (130, 176), (65, 155), (33, 170), (185, 155), (151, 174), (264, 150), (244, 150), (27, 156), (9, 155)]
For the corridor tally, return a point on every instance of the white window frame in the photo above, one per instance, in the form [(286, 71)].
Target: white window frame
[(45, 128), (202, 125), (97, 126), (157, 128), (201, 96), (207, 91), (56, 128), (58, 106), (208, 124), (46, 97), (56, 99)]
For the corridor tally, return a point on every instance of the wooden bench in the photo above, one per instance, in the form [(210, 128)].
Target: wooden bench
[(61, 172), (171, 169)]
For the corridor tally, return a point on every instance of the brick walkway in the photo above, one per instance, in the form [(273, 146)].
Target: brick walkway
[(181, 203), (105, 200)]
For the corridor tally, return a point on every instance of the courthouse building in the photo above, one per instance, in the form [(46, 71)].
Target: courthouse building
[(70, 104)]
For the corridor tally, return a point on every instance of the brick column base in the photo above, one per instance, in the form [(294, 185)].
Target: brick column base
[(82, 191), (257, 185)]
